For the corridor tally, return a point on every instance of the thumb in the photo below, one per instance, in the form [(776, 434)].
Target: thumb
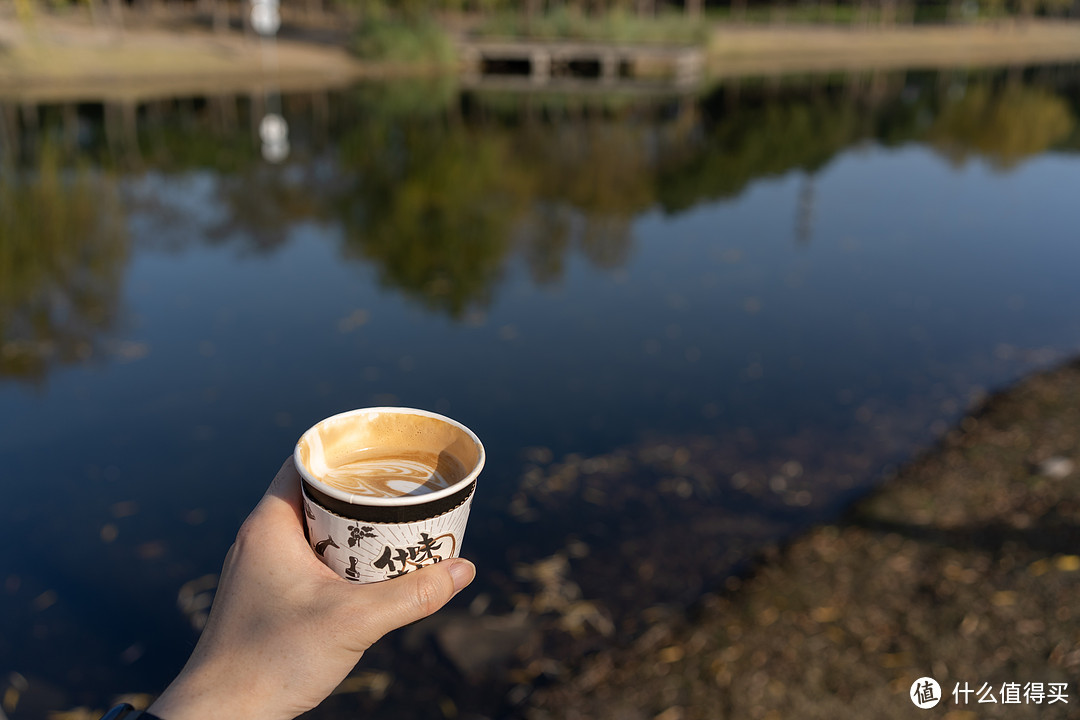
[(394, 603)]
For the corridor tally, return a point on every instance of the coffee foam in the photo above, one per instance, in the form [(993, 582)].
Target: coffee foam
[(386, 454), (375, 472)]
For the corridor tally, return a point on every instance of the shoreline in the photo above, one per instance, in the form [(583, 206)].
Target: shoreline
[(962, 567), (781, 50), (68, 60), (58, 59)]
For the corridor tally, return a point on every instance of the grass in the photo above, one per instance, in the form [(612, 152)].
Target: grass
[(795, 14), (617, 26), (419, 42)]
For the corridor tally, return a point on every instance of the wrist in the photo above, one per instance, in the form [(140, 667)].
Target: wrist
[(198, 694), (125, 711)]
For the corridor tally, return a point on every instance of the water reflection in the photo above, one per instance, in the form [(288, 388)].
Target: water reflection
[(438, 191), (63, 252), (1005, 126), (432, 205), (699, 322)]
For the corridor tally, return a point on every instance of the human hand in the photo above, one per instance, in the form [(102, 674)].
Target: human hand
[(284, 629)]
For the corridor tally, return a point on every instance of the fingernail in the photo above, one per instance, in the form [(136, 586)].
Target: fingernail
[(463, 572)]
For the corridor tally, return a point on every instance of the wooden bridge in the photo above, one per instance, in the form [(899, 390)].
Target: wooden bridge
[(549, 61)]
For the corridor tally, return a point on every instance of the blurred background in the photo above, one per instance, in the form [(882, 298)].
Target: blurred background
[(727, 290)]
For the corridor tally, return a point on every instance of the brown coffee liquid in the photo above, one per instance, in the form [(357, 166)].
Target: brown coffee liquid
[(376, 472)]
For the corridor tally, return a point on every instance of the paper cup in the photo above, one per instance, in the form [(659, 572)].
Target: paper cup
[(366, 538)]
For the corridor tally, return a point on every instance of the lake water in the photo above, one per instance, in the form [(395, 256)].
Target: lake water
[(809, 278)]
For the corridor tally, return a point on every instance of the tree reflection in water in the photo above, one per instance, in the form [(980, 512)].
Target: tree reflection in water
[(63, 252), (433, 206), (1007, 126), (436, 190)]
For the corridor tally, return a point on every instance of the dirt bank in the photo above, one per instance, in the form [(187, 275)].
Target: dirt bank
[(735, 51), (67, 58), (963, 568)]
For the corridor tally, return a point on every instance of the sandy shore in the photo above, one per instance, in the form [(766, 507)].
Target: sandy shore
[(66, 58)]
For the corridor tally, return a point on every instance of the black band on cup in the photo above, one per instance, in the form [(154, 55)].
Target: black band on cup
[(390, 513)]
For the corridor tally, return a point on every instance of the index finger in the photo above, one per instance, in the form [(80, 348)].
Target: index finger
[(285, 487)]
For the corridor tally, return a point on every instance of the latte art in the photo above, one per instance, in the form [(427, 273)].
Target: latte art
[(382, 474)]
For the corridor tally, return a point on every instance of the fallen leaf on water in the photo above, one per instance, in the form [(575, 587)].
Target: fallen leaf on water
[(125, 509), (352, 321), (45, 600), (11, 699), (129, 351), (375, 683), (79, 713), (108, 532), (139, 701), (151, 550)]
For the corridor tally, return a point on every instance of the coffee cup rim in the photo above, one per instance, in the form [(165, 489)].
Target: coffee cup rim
[(400, 500)]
